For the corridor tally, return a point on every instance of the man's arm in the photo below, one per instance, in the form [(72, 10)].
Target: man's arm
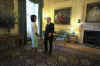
[(52, 29)]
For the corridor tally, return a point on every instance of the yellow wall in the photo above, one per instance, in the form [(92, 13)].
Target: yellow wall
[(76, 14), (91, 1)]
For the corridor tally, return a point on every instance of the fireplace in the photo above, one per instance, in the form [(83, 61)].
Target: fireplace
[(92, 37), (91, 33)]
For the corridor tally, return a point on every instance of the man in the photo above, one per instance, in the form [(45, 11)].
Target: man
[(48, 37)]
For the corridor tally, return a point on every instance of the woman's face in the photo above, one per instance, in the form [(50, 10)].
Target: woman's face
[(35, 18)]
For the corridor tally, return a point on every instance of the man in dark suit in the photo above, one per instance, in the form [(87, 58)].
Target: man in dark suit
[(48, 37)]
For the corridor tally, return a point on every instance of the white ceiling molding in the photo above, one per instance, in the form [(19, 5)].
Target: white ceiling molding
[(62, 4), (58, 1)]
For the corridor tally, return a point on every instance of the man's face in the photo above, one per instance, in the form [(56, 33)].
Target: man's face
[(49, 20)]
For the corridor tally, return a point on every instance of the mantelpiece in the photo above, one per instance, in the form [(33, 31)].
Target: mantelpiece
[(91, 26), (92, 33)]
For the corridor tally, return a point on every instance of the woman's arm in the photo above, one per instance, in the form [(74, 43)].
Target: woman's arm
[(36, 30)]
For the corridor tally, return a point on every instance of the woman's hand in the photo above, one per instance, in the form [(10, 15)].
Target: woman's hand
[(36, 34)]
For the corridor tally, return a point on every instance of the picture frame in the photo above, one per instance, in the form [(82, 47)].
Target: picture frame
[(93, 13), (63, 16)]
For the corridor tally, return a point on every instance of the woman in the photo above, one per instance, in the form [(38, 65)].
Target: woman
[(34, 34)]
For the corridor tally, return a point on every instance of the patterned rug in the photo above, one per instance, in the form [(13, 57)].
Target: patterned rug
[(61, 56)]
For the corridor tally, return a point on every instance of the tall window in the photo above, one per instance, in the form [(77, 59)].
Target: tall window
[(31, 8)]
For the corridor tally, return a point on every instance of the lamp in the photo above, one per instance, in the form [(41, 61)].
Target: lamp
[(79, 20), (45, 16)]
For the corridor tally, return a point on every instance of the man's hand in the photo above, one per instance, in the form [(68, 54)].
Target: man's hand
[(49, 34)]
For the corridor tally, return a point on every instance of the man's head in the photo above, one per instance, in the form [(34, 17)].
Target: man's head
[(33, 18), (48, 19)]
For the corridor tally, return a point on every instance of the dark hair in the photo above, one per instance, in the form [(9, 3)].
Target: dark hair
[(33, 18)]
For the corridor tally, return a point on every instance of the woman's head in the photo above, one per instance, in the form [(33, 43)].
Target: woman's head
[(33, 18)]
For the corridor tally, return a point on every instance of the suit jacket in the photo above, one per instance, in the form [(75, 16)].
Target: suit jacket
[(49, 29)]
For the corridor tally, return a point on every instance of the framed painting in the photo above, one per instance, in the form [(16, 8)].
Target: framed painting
[(93, 12), (63, 16)]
